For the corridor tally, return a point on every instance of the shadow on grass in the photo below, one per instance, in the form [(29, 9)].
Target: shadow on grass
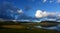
[(13, 30)]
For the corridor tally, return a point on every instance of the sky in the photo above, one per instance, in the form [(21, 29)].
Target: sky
[(30, 10)]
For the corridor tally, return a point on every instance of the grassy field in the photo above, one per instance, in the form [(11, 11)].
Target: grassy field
[(23, 29), (26, 31), (11, 27), (14, 26)]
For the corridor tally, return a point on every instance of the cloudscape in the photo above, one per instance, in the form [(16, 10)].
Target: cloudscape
[(30, 10)]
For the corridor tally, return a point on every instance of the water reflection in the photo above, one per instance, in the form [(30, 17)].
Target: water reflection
[(56, 27)]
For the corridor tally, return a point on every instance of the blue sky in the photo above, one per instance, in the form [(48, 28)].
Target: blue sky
[(30, 7)]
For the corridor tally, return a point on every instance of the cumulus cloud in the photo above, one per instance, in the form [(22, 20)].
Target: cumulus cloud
[(44, 13), (38, 14), (44, 1), (41, 14)]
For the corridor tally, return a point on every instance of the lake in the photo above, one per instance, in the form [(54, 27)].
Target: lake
[(56, 27)]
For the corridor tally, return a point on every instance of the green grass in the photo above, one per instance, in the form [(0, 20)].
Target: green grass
[(23, 29), (14, 26)]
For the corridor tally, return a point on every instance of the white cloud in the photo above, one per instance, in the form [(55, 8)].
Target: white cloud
[(19, 11), (52, 13), (51, 19), (40, 14), (58, 1), (44, 13), (50, 1), (44, 1), (58, 15)]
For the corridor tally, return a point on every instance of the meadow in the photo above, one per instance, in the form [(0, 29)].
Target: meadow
[(22, 28)]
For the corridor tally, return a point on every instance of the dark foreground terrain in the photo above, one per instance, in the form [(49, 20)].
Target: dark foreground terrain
[(7, 30), (11, 27)]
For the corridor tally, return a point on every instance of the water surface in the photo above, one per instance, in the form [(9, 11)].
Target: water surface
[(56, 27)]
